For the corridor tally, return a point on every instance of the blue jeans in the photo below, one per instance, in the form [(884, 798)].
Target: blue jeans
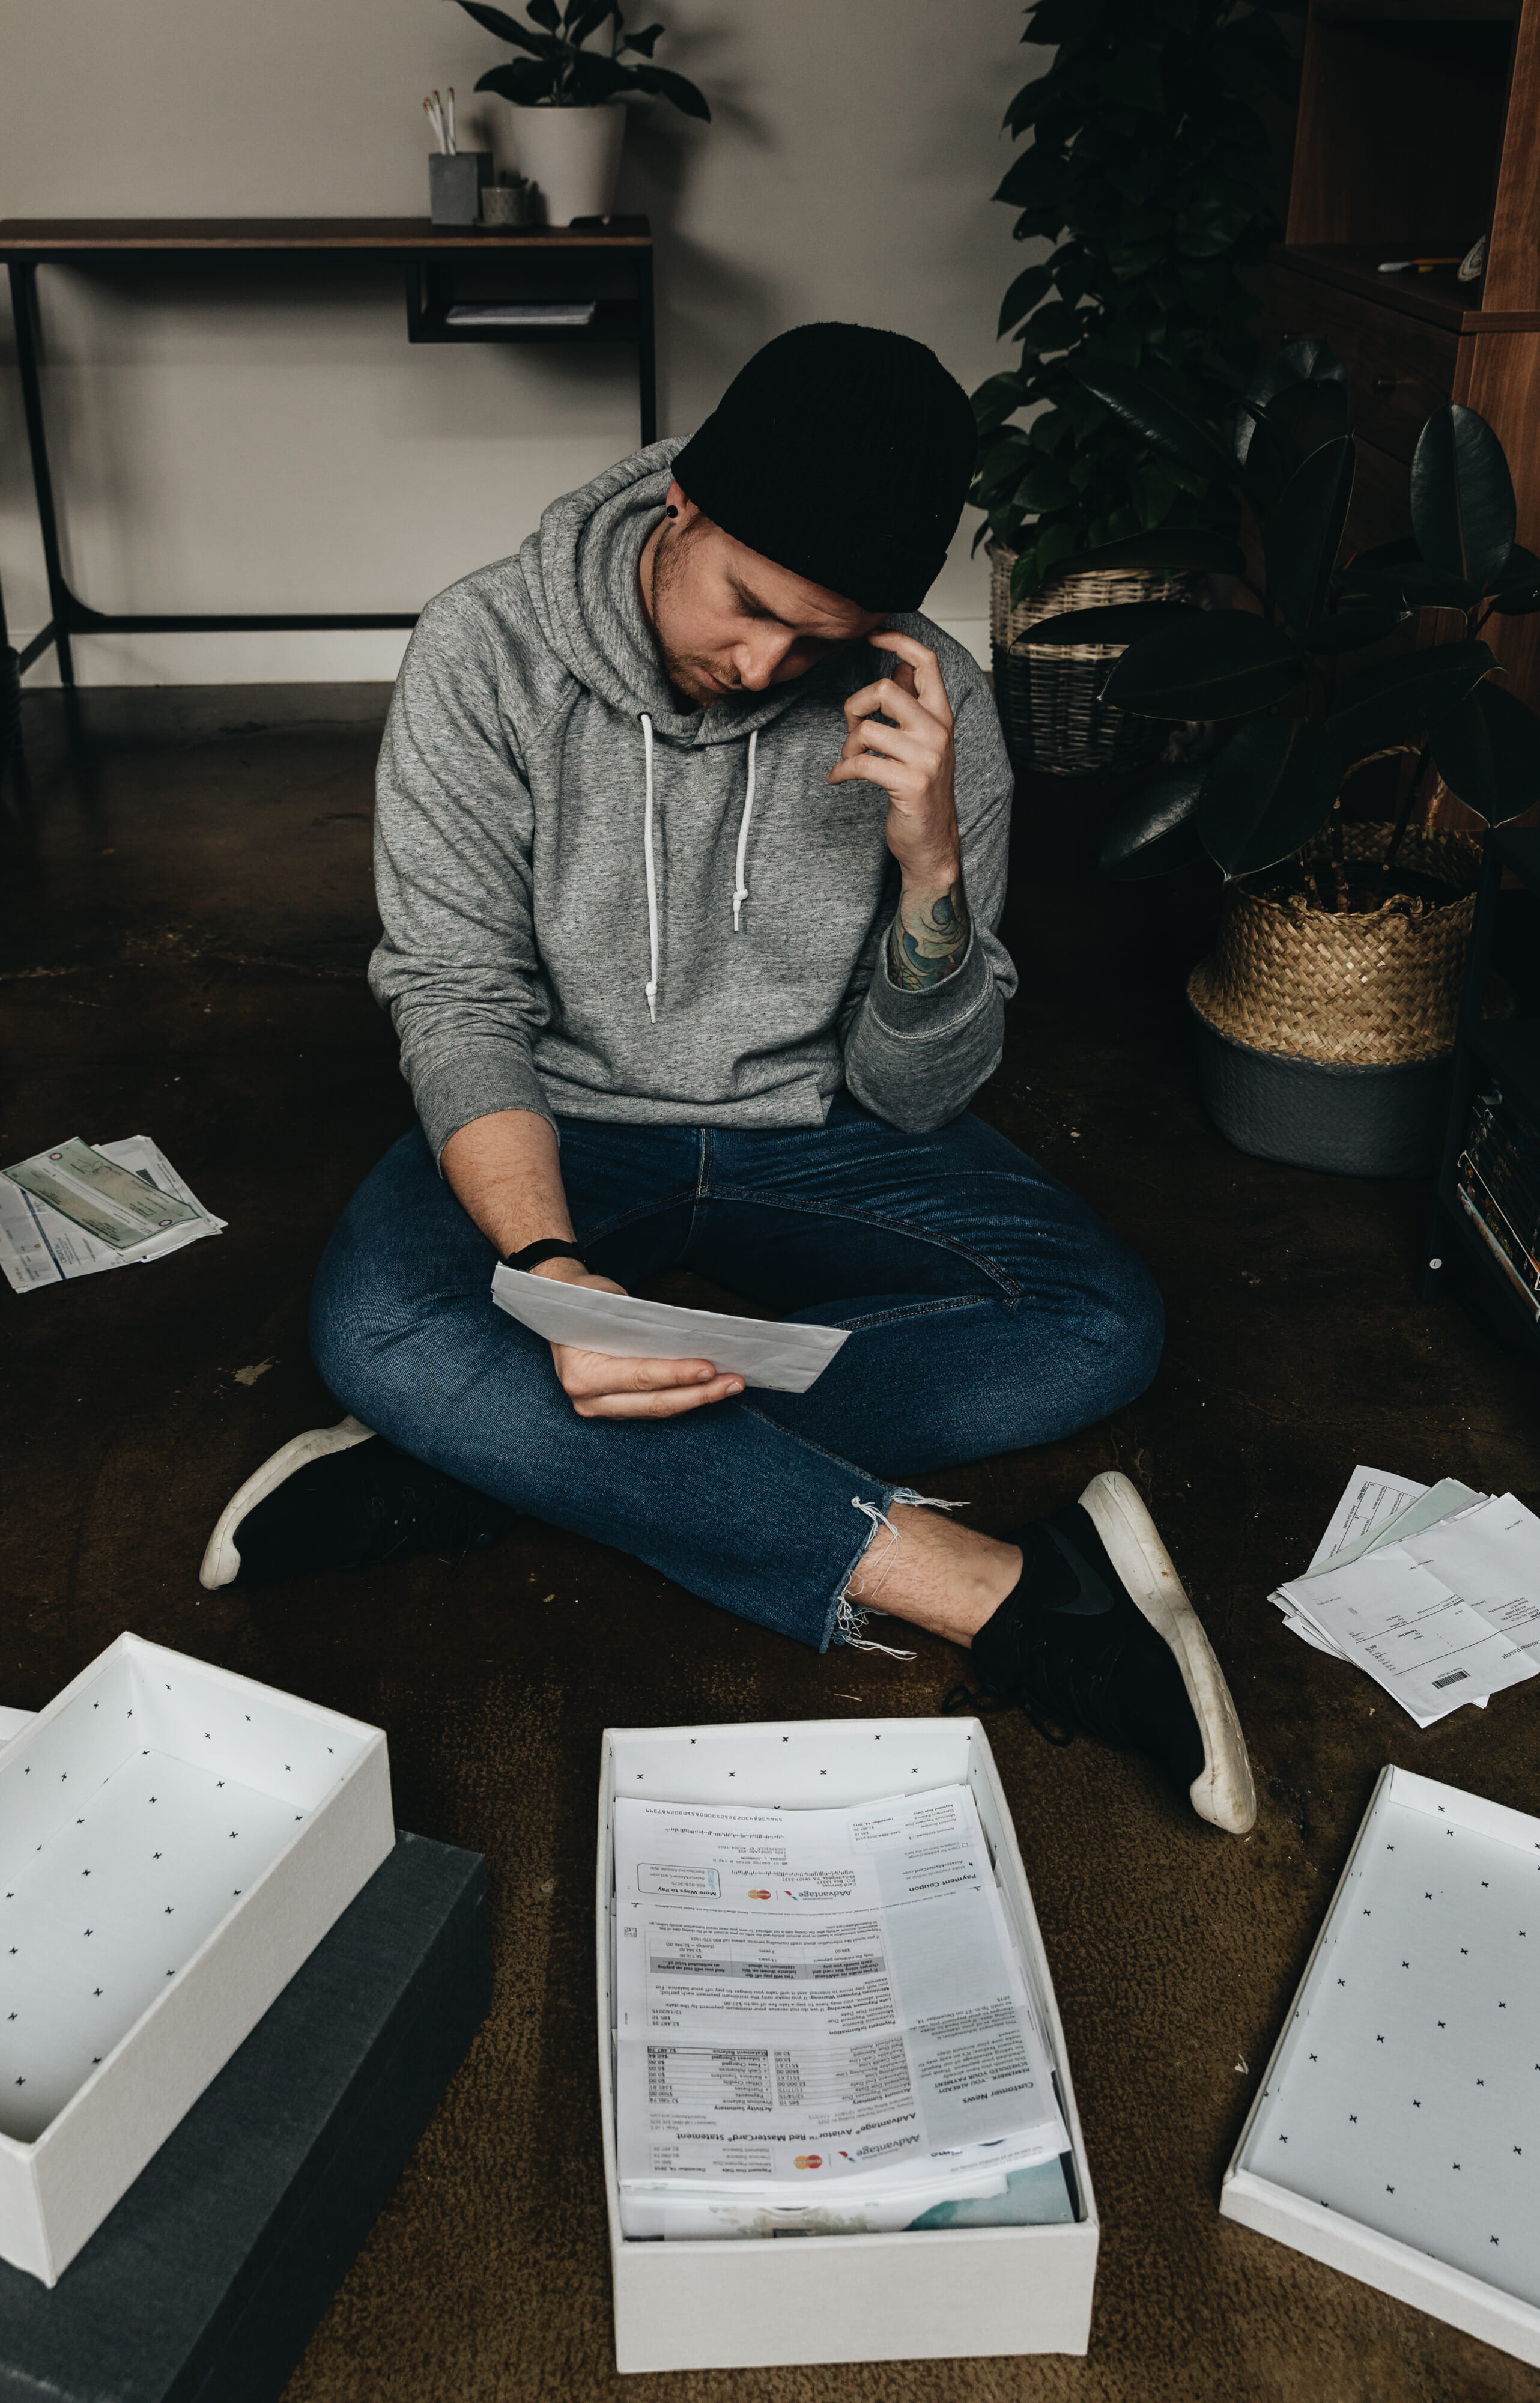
[(988, 1310)]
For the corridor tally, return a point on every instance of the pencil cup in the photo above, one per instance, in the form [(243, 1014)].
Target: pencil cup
[(506, 204), (454, 184)]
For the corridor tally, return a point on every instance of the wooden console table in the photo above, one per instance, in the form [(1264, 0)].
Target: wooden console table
[(607, 261)]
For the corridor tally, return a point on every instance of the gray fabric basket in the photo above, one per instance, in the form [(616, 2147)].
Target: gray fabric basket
[(1312, 1114)]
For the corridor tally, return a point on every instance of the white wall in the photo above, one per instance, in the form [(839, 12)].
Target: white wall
[(243, 438)]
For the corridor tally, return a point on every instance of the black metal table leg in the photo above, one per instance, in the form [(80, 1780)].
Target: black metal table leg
[(646, 363), (23, 301)]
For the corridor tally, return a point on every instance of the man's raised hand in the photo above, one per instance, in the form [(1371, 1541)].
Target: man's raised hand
[(899, 735)]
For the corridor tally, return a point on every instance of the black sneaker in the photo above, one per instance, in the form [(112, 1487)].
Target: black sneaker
[(343, 1497), (1099, 1636)]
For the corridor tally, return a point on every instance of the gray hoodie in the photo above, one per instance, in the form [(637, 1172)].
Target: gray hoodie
[(600, 907)]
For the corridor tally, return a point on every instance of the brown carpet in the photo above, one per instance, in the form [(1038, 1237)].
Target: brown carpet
[(187, 916)]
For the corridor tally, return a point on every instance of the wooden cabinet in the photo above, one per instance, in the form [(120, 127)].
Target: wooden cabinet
[(1419, 131)]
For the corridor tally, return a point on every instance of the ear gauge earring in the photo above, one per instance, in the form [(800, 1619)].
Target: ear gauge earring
[(671, 512)]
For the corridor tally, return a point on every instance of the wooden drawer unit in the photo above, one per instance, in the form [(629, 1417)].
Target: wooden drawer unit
[(1401, 368)]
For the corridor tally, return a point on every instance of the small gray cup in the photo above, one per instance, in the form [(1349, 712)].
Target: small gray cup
[(455, 186), (506, 204)]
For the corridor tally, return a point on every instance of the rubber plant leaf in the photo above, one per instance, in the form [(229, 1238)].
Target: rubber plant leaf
[(509, 29), (1488, 752), (1462, 509), (1515, 587), (1415, 586), (645, 41), (1224, 664), (1267, 792), (1156, 832), (1305, 530), (1353, 628), (1404, 697), (1160, 421), (1119, 621), (596, 77), (584, 21), (546, 13)]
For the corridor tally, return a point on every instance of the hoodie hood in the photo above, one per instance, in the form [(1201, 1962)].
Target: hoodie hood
[(581, 571)]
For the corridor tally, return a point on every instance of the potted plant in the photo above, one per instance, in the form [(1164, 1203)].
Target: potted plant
[(1328, 1008), (568, 96), (1143, 172)]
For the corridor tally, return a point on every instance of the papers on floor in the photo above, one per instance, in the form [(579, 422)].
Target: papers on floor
[(781, 1353), (1434, 1592), (822, 2023), (77, 1209)]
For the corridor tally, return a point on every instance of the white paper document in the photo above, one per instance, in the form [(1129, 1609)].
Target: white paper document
[(39, 1245), (782, 1354), (1442, 1613), (820, 2006)]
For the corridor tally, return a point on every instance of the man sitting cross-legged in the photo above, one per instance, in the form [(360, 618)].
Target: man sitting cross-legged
[(691, 847)]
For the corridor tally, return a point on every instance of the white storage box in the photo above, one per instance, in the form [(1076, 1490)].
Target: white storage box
[(174, 1842), (935, 2294), (1397, 2132)]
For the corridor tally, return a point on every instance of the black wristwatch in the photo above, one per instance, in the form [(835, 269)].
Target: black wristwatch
[(549, 1247)]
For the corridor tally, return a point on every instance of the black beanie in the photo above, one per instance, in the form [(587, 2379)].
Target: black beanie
[(843, 455)]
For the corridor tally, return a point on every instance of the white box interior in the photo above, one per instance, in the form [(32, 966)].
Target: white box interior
[(130, 1829), (941, 2293), (174, 1840), (1397, 2132)]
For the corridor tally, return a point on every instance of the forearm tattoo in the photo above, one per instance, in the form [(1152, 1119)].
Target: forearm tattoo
[(928, 940)]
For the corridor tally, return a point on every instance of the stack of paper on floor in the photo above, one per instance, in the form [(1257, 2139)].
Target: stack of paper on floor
[(822, 2026), (79, 1208), (1435, 1591)]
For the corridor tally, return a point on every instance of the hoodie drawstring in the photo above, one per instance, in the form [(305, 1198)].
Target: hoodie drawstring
[(652, 877), (741, 890)]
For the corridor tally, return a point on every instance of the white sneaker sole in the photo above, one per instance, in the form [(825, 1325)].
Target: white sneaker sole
[(1224, 1792), (222, 1560)]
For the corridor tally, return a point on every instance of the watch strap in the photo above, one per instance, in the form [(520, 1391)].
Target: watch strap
[(549, 1247)]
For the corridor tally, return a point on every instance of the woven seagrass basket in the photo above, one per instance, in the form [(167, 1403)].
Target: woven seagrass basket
[(1048, 697), (1325, 1039)]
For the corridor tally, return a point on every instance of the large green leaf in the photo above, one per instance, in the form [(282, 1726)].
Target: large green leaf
[(998, 397), (1462, 510), (1267, 792), (1515, 587), (1305, 530), (1488, 752), (1353, 628), (1118, 622), (1157, 830), (1415, 586), (1223, 664), (671, 87), (1163, 423), (1404, 697), (1132, 78)]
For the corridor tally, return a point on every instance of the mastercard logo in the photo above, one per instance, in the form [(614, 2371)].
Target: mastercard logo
[(759, 1894), (809, 2161)]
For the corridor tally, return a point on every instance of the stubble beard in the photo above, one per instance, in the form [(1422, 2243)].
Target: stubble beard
[(686, 672)]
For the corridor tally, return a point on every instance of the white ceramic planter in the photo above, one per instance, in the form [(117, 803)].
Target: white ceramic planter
[(574, 156)]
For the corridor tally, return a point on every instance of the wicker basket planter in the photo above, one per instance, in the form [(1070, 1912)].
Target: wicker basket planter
[(1326, 1041), (1054, 721)]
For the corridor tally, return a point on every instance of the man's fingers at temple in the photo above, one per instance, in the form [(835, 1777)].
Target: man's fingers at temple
[(930, 684)]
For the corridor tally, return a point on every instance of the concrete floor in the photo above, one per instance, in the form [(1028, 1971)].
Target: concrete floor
[(185, 926)]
